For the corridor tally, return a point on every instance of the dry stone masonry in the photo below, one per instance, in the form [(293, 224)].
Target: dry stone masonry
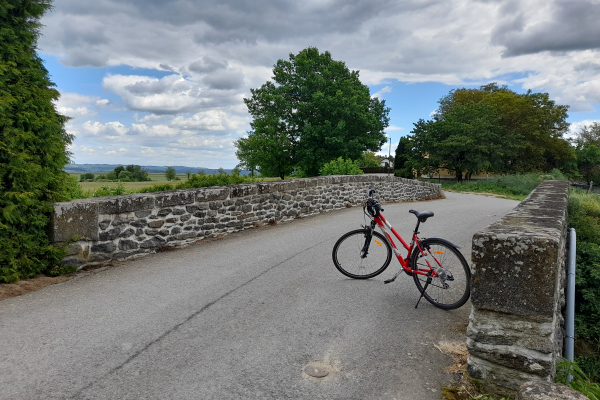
[(105, 229), (515, 331)]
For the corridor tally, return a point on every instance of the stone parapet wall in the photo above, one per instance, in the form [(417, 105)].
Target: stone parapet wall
[(105, 229), (515, 332)]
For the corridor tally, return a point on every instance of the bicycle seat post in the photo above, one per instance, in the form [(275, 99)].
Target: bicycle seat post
[(417, 227)]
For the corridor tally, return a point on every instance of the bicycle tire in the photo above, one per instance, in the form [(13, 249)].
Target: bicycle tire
[(347, 258), (458, 290)]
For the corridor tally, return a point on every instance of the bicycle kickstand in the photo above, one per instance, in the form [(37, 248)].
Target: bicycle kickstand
[(424, 288)]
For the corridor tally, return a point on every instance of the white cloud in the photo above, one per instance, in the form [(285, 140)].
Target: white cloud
[(386, 89), (76, 112), (218, 51), (576, 127), (393, 128)]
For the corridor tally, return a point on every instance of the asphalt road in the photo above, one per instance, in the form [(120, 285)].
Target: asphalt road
[(240, 317)]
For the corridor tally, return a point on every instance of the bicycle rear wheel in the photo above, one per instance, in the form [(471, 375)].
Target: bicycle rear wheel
[(349, 259), (449, 293)]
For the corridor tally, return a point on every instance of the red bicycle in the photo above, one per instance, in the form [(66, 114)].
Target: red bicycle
[(439, 270)]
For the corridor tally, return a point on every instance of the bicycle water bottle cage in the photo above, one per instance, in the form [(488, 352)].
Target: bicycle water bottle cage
[(422, 215)]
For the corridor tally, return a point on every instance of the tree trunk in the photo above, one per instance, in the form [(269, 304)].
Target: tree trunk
[(459, 175)]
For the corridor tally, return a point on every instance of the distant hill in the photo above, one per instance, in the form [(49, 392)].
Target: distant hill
[(153, 169)]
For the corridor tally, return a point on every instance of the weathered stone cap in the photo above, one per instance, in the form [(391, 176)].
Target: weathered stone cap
[(544, 211), (517, 259), (548, 391)]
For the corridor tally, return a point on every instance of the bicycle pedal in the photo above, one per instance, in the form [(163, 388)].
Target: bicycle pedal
[(389, 280)]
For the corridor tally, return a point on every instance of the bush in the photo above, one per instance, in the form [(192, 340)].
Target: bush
[(125, 176), (105, 190), (87, 177), (584, 216), (368, 160), (33, 145), (587, 291), (340, 167)]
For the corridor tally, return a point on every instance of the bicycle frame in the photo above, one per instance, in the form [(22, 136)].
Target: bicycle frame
[(414, 245)]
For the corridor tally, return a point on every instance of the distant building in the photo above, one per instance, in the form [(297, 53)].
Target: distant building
[(386, 161)]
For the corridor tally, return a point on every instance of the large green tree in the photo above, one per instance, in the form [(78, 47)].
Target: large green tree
[(467, 138), (32, 145), (314, 111), (533, 124)]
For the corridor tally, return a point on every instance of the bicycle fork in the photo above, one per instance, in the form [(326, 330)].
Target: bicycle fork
[(368, 237)]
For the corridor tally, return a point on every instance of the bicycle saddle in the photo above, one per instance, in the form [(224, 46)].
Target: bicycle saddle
[(421, 215)]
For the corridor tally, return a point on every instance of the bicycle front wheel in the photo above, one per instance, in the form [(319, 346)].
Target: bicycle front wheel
[(451, 291), (349, 254)]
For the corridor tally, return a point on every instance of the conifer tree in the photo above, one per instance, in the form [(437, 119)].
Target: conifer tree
[(32, 145)]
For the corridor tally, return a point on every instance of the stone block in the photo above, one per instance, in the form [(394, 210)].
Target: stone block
[(212, 193), (140, 223), (243, 190), (153, 243), (104, 224), (124, 204), (539, 390), (164, 212), (175, 198), (183, 236), (73, 249), (128, 232), (75, 219), (156, 224), (128, 245), (111, 234), (143, 213), (104, 247)]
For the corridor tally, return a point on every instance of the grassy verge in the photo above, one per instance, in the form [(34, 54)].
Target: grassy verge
[(515, 187)]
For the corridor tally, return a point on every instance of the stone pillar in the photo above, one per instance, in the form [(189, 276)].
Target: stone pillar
[(515, 330)]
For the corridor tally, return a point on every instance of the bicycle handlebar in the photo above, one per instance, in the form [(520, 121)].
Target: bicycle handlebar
[(373, 208)]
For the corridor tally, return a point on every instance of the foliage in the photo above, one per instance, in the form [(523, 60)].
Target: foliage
[(580, 381), (403, 164), (340, 167), (532, 127), (197, 181), (587, 290), (466, 138), (105, 190), (73, 190), (368, 159), (86, 176), (157, 188), (170, 173), (589, 134), (584, 216), (314, 111), (130, 173), (32, 145), (588, 162)]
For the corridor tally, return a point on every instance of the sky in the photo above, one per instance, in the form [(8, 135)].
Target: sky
[(156, 82)]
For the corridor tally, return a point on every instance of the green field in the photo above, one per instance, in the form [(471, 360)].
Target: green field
[(89, 187), (129, 186)]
